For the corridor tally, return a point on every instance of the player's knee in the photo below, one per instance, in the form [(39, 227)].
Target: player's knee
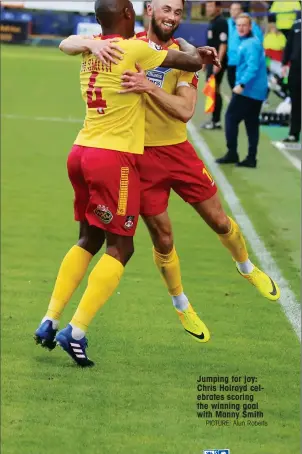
[(91, 238), (221, 224), (122, 252), (128, 253), (163, 242), (91, 245)]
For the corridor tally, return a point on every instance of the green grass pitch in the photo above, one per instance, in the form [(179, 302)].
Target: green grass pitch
[(141, 396)]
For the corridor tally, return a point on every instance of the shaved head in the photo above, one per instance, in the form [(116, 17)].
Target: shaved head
[(115, 16)]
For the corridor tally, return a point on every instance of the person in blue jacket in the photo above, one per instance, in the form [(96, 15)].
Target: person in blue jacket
[(248, 95), (234, 40)]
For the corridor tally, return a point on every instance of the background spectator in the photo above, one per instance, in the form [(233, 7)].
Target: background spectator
[(217, 37), (274, 45), (248, 94), (285, 14), (234, 40), (292, 56), (145, 17)]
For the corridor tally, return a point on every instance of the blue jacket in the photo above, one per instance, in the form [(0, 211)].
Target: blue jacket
[(234, 40), (251, 68)]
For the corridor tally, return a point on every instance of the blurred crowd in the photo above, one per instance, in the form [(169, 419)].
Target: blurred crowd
[(254, 59), (259, 45)]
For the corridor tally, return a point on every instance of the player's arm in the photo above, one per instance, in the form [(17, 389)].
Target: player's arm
[(104, 50), (208, 54), (189, 58), (181, 105), (150, 55), (75, 44)]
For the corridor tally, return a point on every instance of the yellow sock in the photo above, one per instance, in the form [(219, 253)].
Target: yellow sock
[(71, 272), (169, 268), (103, 280), (234, 242)]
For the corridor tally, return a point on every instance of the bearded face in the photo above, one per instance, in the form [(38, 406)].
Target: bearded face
[(165, 20)]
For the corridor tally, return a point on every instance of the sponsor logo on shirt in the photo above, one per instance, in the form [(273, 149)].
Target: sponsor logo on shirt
[(157, 75)]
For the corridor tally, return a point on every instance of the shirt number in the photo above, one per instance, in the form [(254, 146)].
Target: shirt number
[(94, 95)]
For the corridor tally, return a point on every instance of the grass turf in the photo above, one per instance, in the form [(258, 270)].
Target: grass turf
[(141, 396)]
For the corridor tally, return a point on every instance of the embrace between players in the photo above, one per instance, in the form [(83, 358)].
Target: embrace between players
[(130, 153)]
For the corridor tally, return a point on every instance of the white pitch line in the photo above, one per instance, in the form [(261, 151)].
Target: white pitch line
[(47, 119), (288, 300), (296, 162)]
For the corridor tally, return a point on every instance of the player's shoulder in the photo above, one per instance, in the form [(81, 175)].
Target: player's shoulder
[(141, 35), (174, 45), (134, 45), (144, 43)]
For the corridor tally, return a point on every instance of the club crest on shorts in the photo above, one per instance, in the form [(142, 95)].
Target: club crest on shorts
[(129, 222), (103, 213)]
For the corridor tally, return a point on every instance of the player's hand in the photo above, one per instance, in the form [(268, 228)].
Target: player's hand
[(106, 50), (135, 82), (238, 90), (209, 56)]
